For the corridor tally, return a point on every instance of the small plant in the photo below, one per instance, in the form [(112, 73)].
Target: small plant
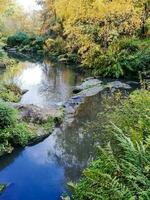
[(13, 131), (21, 134), (10, 92), (48, 125), (8, 116)]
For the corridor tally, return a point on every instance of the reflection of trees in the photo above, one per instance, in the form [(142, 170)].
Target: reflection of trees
[(58, 81), (12, 72), (73, 147)]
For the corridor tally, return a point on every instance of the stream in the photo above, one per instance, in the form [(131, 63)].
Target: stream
[(41, 172)]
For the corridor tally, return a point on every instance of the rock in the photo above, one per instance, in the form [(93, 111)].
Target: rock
[(69, 120), (35, 114), (74, 101), (118, 85), (11, 50), (2, 65), (77, 89), (133, 83), (24, 91), (89, 78), (70, 110), (88, 82), (92, 91)]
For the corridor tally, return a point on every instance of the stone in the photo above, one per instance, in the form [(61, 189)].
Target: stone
[(24, 91), (35, 114), (2, 65), (88, 82), (118, 85), (11, 49), (133, 83), (92, 91)]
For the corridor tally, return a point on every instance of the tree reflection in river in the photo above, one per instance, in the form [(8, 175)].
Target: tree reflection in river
[(73, 147), (47, 84)]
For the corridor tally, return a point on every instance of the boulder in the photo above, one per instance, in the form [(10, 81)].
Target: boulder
[(24, 92), (92, 91), (118, 85), (2, 65), (35, 114), (88, 83)]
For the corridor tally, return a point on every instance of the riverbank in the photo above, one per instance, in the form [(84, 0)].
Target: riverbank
[(58, 159), (126, 58), (119, 165), (89, 87), (41, 121)]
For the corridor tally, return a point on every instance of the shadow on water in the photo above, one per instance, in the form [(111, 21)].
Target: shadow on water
[(8, 159)]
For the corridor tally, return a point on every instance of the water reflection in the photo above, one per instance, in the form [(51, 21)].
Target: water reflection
[(44, 169), (47, 84), (41, 172)]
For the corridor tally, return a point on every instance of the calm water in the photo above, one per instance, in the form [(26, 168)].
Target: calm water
[(41, 172), (48, 85)]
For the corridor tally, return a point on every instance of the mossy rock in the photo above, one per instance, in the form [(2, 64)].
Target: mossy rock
[(2, 187)]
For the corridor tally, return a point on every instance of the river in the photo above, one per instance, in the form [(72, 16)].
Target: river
[(41, 172)]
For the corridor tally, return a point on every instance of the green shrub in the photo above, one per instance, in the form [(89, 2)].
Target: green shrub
[(129, 45), (37, 44), (13, 88), (121, 170), (133, 116), (115, 177), (13, 131), (8, 116), (2, 53), (20, 134), (18, 39), (130, 115), (120, 59), (55, 46), (49, 125), (10, 92)]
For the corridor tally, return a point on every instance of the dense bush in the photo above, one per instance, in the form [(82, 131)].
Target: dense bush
[(10, 92), (20, 134), (120, 59), (133, 116), (18, 39), (8, 116), (115, 177), (26, 43), (121, 170), (13, 132)]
